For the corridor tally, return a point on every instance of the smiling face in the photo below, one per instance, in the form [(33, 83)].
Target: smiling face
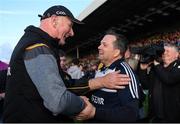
[(63, 28), (107, 52), (170, 54)]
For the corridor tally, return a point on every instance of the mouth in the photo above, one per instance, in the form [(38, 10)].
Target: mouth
[(100, 52), (64, 38)]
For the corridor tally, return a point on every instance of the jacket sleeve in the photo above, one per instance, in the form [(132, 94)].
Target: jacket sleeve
[(42, 68), (79, 86)]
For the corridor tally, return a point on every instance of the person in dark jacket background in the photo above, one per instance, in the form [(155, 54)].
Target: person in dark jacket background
[(163, 82)]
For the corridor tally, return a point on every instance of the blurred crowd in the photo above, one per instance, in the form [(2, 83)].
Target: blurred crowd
[(173, 37)]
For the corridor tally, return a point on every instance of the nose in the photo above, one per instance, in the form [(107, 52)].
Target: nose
[(99, 47), (71, 32), (165, 51)]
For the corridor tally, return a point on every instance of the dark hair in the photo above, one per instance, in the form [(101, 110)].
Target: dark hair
[(121, 42), (75, 61), (61, 53)]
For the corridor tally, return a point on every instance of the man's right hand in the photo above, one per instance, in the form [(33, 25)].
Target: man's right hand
[(88, 112), (115, 80), (112, 80)]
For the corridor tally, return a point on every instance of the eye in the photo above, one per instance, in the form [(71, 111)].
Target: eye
[(104, 44), (70, 25)]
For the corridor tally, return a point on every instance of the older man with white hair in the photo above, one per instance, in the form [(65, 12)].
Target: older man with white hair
[(163, 81)]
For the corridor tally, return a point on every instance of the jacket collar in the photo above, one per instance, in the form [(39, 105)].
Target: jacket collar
[(52, 41), (113, 65)]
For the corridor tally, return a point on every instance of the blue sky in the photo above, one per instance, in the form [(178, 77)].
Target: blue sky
[(16, 15)]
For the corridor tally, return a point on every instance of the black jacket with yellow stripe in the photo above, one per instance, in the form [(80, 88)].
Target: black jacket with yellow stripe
[(24, 94)]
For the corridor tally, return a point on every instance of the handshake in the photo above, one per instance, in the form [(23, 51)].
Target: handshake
[(88, 112)]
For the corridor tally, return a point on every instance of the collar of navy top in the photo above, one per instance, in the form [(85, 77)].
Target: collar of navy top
[(112, 66)]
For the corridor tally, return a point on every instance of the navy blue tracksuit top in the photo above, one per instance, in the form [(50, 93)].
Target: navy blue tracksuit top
[(116, 105)]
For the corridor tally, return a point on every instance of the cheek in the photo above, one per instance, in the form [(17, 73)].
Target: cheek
[(110, 51), (68, 30), (169, 55), (59, 32), (108, 54)]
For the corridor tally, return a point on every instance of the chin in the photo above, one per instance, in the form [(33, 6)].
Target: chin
[(61, 42), (101, 55), (100, 58)]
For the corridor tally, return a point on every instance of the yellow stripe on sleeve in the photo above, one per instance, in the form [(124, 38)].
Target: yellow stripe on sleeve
[(35, 45)]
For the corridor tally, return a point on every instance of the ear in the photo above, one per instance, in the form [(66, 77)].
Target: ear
[(54, 21), (177, 55), (116, 52)]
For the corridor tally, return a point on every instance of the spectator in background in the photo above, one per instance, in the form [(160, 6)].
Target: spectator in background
[(91, 70), (62, 58), (74, 70), (63, 70), (163, 81), (132, 59)]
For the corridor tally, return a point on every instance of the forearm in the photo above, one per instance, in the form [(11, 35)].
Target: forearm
[(96, 83), (82, 86), (170, 77), (112, 80)]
